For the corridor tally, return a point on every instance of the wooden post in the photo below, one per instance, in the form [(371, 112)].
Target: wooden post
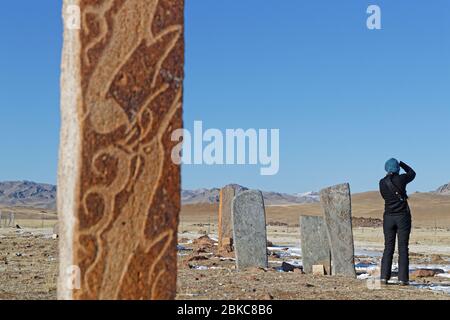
[(118, 188)]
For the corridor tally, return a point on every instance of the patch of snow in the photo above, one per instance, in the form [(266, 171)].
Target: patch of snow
[(217, 268), (296, 263), (287, 251), (445, 288), (200, 267), (275, 248), (363, 276), (365, 268), (208, 268), (444, 267), (295, 252), (227, 259)]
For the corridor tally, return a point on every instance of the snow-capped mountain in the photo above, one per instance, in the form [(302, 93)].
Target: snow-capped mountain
[(39, 195), (211, 196), (445, 189)]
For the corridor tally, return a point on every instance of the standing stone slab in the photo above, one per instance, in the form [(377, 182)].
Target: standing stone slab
[(249, 224), (12, 219), (56, 229), (336, 202), (225, 221), (314, 243), (118, 188)]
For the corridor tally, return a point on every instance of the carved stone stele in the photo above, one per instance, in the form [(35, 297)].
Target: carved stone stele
[(118, 188), (225, 221), (337, 206)]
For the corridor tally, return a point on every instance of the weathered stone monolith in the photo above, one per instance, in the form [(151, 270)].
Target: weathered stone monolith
[(336, 202), (56, 229), (314, 243), (249, 230), (225, 221), (118, 188), (12, 219)]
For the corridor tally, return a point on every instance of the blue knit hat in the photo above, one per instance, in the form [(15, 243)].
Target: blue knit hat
[(392, 166)]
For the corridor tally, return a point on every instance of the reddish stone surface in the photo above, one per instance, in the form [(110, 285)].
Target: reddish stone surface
[(225, 222), (423, 273), (124, 190)]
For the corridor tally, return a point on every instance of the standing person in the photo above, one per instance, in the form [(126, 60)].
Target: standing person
[(396, 219)]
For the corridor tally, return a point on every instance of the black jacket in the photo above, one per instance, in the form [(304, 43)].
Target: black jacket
[(393, 204)]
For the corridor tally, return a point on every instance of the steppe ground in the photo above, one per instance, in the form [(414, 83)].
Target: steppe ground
[(29, 256)]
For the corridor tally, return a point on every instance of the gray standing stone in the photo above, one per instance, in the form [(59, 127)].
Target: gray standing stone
[(336, 202), (249, 229), (12, 219), (314, 243), (56, 229)]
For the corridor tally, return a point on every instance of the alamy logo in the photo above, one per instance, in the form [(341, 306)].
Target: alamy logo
[(374, 20), (373, 281), (73, 278), (234, 147)]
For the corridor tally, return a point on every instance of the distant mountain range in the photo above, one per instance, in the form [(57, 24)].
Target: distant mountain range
[(445, 189), (211, 196), (43, 196), (27, 194)]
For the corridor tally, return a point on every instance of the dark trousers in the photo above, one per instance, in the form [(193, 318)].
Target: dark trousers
[(396, 225)]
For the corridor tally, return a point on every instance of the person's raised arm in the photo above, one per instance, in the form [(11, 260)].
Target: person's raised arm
[(410, 173)]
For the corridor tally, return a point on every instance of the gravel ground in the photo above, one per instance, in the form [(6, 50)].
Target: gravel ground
[(28, 265), (29, 262)]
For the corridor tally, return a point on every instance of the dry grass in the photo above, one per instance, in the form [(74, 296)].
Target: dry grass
[(429, 210)]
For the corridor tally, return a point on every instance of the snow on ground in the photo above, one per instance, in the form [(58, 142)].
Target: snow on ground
[(371, 261), (286, 251), (444, 267), (442, 287)]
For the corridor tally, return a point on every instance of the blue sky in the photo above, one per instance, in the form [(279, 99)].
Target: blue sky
[(344, 98)]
